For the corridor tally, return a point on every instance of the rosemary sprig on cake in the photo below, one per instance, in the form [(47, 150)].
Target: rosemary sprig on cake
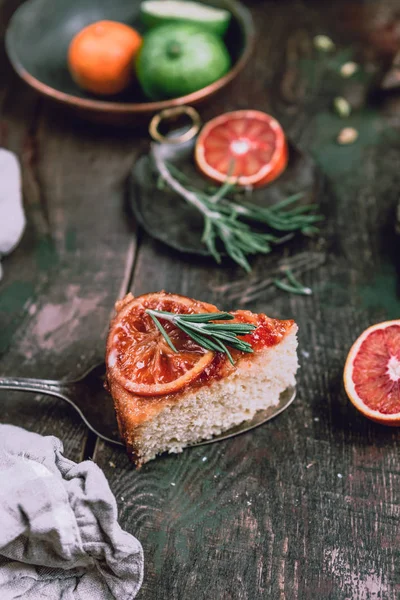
[(202, 330), (235, 225)]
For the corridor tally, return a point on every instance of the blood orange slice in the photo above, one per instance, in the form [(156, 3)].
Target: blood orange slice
[(372, 373), (247, 145), (139, 358)]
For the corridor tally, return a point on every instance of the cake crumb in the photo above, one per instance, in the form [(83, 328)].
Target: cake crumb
[(311, 464), (316, 419), (204, 458), (122, 498), (172, 483), (340, 476), (248, 503), (112, 464), (305, 354)]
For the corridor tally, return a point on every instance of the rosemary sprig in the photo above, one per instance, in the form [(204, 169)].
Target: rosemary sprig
[(294, 286), (278, 216), (202, 329), (231, 222)]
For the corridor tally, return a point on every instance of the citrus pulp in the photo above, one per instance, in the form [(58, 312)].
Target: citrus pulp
[(246, 146), (372, 373)]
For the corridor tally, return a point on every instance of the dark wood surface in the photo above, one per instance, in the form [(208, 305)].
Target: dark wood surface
[(308, 506)]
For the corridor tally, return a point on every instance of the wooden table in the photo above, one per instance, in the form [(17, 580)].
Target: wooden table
[(307, 506)]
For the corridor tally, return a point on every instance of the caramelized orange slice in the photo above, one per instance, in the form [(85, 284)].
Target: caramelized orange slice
[(139, 358)]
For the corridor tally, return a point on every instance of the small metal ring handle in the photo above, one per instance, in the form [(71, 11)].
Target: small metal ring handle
[(168, 113)]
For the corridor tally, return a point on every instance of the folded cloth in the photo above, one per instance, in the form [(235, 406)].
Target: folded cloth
[(12, 218), (59, 536)]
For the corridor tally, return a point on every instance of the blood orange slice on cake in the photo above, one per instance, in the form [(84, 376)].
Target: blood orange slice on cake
[(248, 146), (372, 373), (138, 355)]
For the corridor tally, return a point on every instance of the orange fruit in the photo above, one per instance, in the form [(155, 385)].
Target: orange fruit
[(100, 57), (248, 145), (138, 356), (372, 373)]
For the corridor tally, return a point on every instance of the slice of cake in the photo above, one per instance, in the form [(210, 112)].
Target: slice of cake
[(170, 391)]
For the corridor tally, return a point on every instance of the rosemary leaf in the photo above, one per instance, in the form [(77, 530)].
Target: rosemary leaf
[(286, 202), (286, 287), (294, 286), (208, 238), (205, 317), (202, 340), (235, 328), (292, 279), (165, 334), (225, 349), (203, 330)]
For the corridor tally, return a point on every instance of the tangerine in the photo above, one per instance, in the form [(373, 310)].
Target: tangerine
[(100, 57)]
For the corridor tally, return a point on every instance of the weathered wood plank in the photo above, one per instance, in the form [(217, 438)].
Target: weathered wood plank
[(60, 284), (85, 260)]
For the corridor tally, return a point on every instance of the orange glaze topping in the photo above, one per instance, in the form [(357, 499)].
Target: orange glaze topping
[(269, 332), (140, 360)]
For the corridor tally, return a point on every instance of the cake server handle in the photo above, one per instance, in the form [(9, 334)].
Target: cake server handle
[(41, 386), (86, 395)]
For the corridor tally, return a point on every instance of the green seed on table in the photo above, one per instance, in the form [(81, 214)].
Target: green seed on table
[(324, 43), (348, 135), (342, 106), (348, 69)]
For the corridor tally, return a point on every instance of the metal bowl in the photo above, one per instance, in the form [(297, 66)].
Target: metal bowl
[(40, 32)]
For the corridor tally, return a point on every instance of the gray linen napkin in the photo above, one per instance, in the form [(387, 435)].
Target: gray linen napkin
[(59, 535)]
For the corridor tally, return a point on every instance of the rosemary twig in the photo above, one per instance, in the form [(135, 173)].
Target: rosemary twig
[(294, 286), (231, 223), (202, 330), (238, 238), (276, 216)]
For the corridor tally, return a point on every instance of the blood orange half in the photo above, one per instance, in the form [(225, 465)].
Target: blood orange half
[(372, 373), (247, 145), (138, 356)]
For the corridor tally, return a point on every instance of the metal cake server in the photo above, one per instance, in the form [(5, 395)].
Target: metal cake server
[(95, 407), (86, 394)]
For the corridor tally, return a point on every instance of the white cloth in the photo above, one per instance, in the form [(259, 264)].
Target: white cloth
[(12, 218), (59, 535)]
